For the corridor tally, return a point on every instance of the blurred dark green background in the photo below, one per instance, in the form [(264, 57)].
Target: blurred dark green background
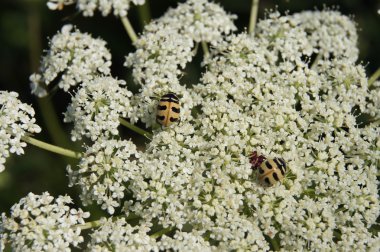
[(25, 26)]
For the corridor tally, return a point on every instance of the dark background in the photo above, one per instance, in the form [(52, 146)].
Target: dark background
[(25, 26)]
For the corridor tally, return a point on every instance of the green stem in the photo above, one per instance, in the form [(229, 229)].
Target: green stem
[(195, 49), (46, 107), (374, 77), (161, 232), (50, 147), (135, 128), (51, 121), (144, 14), (128, 27), (253, 16), (315, 62), (88, 225), (275, 245), (205, 49)]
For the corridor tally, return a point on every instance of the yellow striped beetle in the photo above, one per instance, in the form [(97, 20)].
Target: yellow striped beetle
[(272, 170), (168, 109)]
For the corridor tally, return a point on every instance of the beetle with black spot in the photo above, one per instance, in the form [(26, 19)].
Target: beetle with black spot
[(272, 171), (168, 109)]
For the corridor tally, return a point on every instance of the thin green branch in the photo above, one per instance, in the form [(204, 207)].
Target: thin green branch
[(205, 49), (253, 16), (374, 77), (50, 147), (46, 107), (316, 60), (144, 14), (90, 224), (128, 27), (51, 121), (274, 243), (195, 49), (161, 232), (135, 128)]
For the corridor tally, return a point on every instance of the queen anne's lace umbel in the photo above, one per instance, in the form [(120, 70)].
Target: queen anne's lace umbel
[(73, 58), (42, 223), (88, 7), (121, 236), (165, 48), (105, 171), (16, 120), (293, 90), (96, 108)]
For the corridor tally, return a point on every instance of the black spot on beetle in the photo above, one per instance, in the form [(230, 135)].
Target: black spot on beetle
[(275, 176), (176, 110), (162, 107), (172, 119), (268, 165), (261, 170), (267, 181), (160, 118)]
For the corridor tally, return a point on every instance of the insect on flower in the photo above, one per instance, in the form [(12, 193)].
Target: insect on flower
[(272, 171), (168, 109)]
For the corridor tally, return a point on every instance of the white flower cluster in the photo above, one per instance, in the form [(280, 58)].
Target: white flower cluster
[(161, 54), (292, 91), (42, 223), (185, 241), (88, 7), (325, 34), (96, 107), (118, 235), (104, 172), (190, 177), (374, 101), (166, 46), (200, 20), (73, 58), (265, 94), (16, 121), (276, 95), (120, 7)]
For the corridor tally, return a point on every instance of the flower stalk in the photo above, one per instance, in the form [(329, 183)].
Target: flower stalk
[(205, 49), (253, 16), (128, 27), (374, 77), (46, 107), (161, 232), (275, 245), (144, 14), (51, 148), (89, 225), (135, 128)]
